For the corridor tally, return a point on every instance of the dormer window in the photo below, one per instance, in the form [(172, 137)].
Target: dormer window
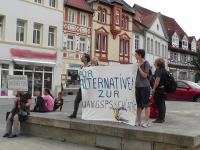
[(175, 40), (194, 45), (185, 43)]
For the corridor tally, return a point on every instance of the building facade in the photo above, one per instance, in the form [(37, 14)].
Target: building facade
[(31, 43), (112, 31), (154, 39), (76, 38), (182, 51)]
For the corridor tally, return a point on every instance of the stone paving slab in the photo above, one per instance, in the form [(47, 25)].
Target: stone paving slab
[(33, 143), (181, 126)]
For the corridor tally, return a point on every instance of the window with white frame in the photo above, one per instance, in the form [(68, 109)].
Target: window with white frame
[(163, 51), (158, 49), (173, 57), (137, 42), (175, 40), (72, 16), (20, 33), (38, 1), (148, 45), (151, 51), (70, 42), (184, 59), (103, 16), (185, 43), (104, 43), (83, 19), (166, 52), (117, 17), (52, 3), (37, 33), (82, 44), (194, 45), (52, 36), (1, 27), (124, 47)]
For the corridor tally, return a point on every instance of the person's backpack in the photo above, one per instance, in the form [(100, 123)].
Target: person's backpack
[(170, 83), (150, 76)]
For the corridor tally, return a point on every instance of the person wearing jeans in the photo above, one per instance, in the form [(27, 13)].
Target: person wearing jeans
[(158, 90), (85, 59)]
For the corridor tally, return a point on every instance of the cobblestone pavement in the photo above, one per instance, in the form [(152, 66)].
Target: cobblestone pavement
[(33, 143)]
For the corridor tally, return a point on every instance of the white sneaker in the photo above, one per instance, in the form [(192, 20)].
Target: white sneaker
[(146, 125)]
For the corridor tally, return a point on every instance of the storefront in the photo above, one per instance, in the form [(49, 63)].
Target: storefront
[(73, 74), (40, 68)]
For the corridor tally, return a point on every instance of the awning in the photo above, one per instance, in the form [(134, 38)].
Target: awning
[(34, 62)]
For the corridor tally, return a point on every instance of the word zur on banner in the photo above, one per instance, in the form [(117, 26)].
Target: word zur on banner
[(108, 93)]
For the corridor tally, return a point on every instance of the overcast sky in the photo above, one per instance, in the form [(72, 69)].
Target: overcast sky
[(185, 12)]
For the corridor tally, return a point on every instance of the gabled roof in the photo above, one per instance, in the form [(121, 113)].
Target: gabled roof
[(172, 26), (138, 27), (126, 7), (78, 4), (145, 16), (191, 38), (148, 17)]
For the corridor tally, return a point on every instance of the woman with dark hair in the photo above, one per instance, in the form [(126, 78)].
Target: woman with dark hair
[(142, 85), (49, 100), (158, 90)]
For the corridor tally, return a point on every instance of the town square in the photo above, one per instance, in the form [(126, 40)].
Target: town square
[(99, 74)]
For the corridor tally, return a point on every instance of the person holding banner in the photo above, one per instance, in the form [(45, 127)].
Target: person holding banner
[(85, 59), (142, 85)]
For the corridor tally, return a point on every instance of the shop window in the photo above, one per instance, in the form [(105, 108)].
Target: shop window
[(4, 81), (38, 1), (18, 66), (48, 69), (38, 68), (48, 80)]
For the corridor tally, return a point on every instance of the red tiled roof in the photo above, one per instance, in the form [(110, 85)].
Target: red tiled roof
[(146, 17), (79, 4), (173, 26), (137, 27), (143, 15)]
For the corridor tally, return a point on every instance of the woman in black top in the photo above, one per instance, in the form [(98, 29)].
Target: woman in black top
[(159, 89)]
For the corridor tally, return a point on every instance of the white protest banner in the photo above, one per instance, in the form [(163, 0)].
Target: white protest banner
[(108, 93), (17, 82)]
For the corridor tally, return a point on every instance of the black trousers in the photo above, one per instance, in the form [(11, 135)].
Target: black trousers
[(159, 97), (77, 101)]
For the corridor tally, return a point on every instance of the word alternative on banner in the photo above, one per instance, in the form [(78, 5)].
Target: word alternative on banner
[(17, 82), (108, 93)]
